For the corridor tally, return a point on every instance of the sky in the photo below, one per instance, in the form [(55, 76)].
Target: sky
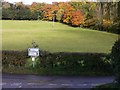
[(47, 1), (30, 1)]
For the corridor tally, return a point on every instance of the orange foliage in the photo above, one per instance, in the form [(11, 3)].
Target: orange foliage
[(67, 16), (68, 9), (48, 11), (70, 15), (33, 6), (65, 6), (77, 18)]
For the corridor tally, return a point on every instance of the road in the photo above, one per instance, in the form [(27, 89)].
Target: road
[(35, 81)]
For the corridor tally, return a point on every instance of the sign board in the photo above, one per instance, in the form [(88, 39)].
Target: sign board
[(33, 52)]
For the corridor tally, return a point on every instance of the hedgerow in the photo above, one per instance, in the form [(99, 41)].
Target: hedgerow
[(115, 56), (61, 61)]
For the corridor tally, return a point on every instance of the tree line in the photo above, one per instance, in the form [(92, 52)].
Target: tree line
[(103, 16)]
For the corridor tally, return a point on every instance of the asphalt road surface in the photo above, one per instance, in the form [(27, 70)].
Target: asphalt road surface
[(35, 81)]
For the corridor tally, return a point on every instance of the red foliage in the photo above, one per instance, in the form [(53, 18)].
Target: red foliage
[(77, 18)]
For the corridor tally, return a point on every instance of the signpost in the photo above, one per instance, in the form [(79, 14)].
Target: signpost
[(33, 52)]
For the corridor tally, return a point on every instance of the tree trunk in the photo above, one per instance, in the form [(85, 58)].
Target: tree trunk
[(101, 15)]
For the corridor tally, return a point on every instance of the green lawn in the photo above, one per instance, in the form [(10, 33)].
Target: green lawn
[(18, 35)]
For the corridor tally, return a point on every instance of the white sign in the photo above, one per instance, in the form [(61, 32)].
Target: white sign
[(34, 52)]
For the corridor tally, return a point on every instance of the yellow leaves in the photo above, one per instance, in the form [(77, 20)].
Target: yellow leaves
[(107, 23), (90, 22)]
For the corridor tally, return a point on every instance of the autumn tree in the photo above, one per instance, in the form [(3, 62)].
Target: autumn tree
[(65, 12), (50, 11), (77, 18), (88, 9), (36, 10), (59, 14)]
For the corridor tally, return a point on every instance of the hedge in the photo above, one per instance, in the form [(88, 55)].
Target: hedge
[(14, 58), (71, 62), (115, 56)]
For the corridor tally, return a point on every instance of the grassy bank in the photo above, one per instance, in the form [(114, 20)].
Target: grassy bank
[(18, 35)]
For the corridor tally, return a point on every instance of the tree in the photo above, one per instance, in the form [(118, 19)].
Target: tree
[(50, 11), (101, 15), (17, 11), (77, 5), (6, 10), (59, 15), (67, 10), (21, 11), (36, 10), (77, 18)]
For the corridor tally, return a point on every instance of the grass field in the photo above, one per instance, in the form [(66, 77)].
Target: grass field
[(18, 35)]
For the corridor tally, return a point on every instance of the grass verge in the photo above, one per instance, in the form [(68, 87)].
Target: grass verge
[(110, 86)]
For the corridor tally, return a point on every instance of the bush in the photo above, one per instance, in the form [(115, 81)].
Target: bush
[(115, 56)]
